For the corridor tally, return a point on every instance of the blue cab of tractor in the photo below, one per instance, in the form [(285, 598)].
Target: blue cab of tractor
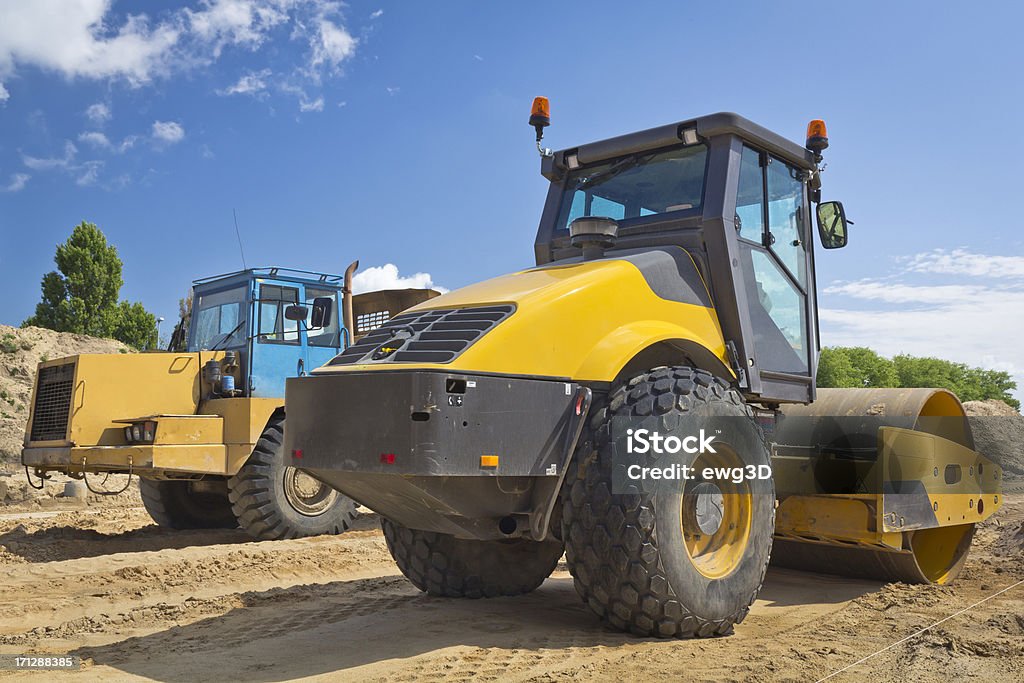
[(271, 322)]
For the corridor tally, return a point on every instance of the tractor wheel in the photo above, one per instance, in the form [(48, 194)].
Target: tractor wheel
[(179, 504), (272, 500), (445, 566), (671, 557)]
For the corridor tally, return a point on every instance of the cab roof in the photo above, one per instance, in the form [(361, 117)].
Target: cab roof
[(309, 277), (721, 123)]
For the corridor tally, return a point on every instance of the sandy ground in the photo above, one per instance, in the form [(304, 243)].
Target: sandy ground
[(137, 602)]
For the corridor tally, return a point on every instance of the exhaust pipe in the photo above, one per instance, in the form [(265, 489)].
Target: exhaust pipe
[(346, 306)]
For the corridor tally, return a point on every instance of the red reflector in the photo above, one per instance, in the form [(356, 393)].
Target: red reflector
[(297, 453), (387, 458), (579, 404)]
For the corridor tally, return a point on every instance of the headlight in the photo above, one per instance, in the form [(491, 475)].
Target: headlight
[(148, 431), (127, 433), (136, 433)]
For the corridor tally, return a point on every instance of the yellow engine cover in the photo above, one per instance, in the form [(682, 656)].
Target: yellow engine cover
[(583, 321)]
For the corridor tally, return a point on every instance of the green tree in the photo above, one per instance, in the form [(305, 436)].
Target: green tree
[(856, 366), (969, 384), (845, 366), (81, 296), (135, 326), (835, 368)]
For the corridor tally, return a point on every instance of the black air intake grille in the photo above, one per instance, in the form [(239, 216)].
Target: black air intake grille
[(53, 403), (424, 336)]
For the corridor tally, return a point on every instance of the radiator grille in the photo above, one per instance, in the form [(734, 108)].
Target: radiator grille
[(53, 403), (437, 336)]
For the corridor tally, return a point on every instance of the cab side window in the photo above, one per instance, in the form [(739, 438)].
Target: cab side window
[(273, 326), (785, 217), (330, 335), (750, 199)]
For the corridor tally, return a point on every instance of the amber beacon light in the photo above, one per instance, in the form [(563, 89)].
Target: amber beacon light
[(540, 118), (540, 115), (817, 136)]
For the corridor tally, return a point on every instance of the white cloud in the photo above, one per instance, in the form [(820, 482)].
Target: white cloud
[(99, 140), (88, 173), (84, 172), (235, 22), (75, 39), (387, 277), (967, 318), (392, 90), (4, 95), (331, 45), (95, 138), (49, 163), (964, 262), (891, 292), (17, 183), (92, 39), (98, 113), (169, 132), (249, 84), (315, 105), (377, 14)]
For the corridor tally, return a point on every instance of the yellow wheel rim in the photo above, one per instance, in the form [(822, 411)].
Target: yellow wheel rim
[(716, 516)]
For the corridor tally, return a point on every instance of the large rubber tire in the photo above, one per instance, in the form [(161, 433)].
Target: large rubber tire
[(445, 566), (178, 505), (266, 500), (628, 552)]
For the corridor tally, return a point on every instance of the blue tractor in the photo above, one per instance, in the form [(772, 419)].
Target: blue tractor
[(205, 435)]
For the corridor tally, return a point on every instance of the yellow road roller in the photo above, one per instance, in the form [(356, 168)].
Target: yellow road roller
[(644, 400)]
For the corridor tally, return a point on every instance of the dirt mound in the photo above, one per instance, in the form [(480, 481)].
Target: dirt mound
[(21, 349), (990, 406), (998, 434)]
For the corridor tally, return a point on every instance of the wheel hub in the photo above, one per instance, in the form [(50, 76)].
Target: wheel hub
[(707, 506), (306, 495), (716, 517)]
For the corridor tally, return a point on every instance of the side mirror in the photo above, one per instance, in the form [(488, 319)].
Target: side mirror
[(295, 312), (322, 309), (832, 225)]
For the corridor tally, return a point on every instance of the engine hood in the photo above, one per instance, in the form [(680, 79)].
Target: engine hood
[(581, 320)]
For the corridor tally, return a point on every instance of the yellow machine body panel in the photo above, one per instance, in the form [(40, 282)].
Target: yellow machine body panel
[(880, 483), (583, 321), (107, 387), (82, 421)]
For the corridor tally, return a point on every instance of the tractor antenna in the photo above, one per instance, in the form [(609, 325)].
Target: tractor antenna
[(238, 234)]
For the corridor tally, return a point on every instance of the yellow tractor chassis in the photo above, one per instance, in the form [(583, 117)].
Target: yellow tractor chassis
[(89, 400)]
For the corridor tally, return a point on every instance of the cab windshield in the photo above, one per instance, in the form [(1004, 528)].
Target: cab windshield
[(219, 320), (639, 185)]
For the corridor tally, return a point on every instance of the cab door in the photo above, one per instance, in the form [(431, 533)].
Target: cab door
[(772, 222), (278, 349)]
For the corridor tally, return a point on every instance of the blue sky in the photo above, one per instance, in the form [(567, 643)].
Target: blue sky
[(396, 133)]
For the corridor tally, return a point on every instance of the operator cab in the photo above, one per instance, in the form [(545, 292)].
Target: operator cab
[(738, 199), (279, 322)]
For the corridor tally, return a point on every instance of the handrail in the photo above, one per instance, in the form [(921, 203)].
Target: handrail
[(275, 271)]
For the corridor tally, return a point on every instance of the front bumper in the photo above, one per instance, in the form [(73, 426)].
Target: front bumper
[(449, 452), (140, 459)]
